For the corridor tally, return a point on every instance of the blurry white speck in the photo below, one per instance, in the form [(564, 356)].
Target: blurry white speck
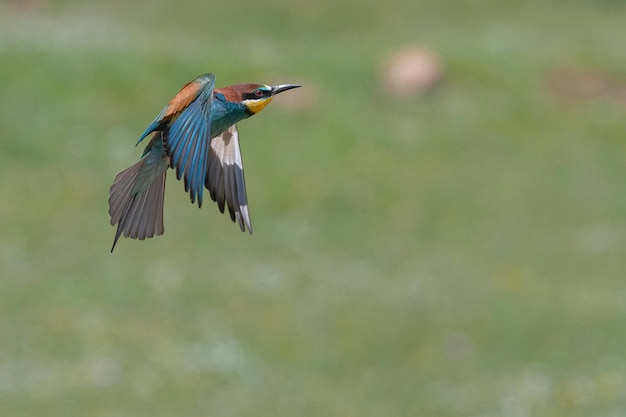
[(267, 279), (103, 371), (224, 356), (530, 391), (600, 238), (163, 277)]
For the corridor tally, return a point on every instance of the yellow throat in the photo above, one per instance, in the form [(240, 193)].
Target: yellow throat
[(256, 106)]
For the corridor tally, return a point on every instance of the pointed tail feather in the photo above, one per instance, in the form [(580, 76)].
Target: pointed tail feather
[(136, 199)]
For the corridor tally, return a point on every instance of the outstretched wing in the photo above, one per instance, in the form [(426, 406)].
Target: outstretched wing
[(224, 178), (187, 144), (186, 126), (201, 87)]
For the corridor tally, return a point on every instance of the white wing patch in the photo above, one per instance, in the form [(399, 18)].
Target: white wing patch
[(225, 179)]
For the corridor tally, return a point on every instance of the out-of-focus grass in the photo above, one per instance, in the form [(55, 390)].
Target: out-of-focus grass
[(456, 254)]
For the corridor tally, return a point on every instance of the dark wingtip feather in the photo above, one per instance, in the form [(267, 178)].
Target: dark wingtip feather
[(225, 180)]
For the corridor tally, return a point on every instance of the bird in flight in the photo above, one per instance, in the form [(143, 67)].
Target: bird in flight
[(195, 134)]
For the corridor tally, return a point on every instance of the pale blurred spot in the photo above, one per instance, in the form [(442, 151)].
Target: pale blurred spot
[(296, 230), (530, 391), (457, 346), (103, 371), (222, 356), (268, 279), (411, 71), (164, 277), (600, 238)]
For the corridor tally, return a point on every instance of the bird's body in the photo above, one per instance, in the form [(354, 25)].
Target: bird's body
[(195, 134)]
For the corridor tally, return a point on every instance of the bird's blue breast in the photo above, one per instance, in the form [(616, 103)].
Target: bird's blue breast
[(225, 114)]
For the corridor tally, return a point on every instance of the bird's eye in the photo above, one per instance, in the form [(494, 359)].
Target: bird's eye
[(258, 93)]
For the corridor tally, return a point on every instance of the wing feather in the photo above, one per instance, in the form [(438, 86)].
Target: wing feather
[(225, 179), (186, 142), (201, 87)]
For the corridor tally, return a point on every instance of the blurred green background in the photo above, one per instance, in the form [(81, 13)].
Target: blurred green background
[(460, 252)]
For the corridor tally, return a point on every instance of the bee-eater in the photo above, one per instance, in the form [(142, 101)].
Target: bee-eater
[(196, 134)]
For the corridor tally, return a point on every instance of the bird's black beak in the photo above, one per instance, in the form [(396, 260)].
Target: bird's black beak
[(276, 89)]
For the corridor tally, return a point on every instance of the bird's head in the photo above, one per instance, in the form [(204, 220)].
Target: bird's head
[(254, 96)]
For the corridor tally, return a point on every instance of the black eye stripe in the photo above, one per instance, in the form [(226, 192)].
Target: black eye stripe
[(256, 94)]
